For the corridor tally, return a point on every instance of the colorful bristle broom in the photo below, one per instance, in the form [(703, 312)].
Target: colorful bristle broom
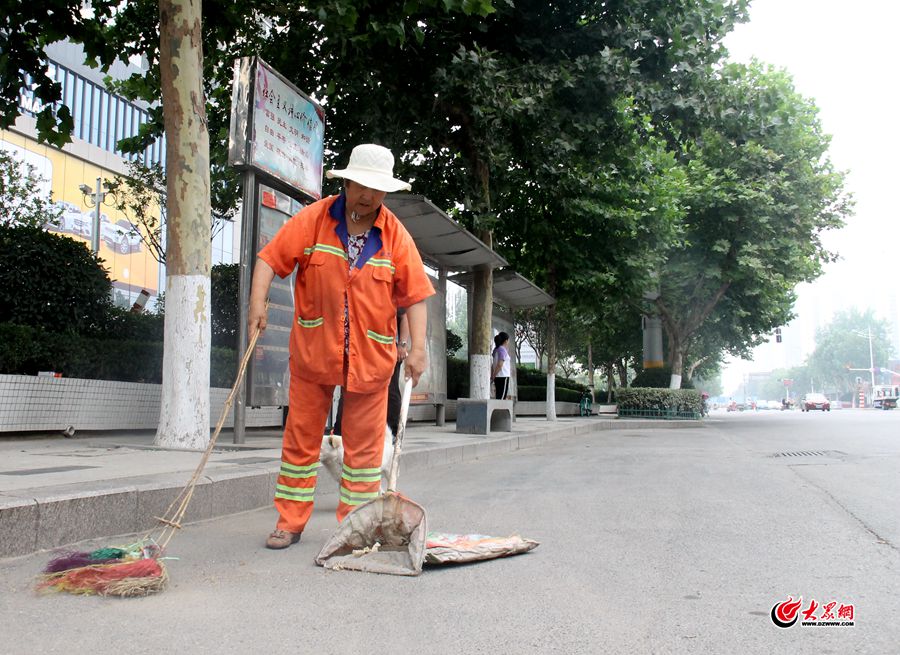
[(136, 569)]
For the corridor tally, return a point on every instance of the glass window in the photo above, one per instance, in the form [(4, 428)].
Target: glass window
[(120, 122), (113, 114), (69, 90), (76, 106), (104, 119), (128, 114), (96, 93), (228, 232)]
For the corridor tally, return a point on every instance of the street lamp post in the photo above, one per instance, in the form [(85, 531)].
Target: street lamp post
[(871, 368), (94, 199)]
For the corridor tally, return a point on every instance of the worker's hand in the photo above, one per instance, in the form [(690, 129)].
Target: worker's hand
[(415, 364), (402, 353), (258, 317)]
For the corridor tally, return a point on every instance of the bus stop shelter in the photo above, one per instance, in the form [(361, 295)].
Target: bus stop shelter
[(447, 247)]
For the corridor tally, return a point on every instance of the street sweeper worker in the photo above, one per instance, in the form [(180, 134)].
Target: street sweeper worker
[(356, 265)]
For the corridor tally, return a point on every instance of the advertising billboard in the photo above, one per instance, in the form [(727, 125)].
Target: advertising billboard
[(275, 128)]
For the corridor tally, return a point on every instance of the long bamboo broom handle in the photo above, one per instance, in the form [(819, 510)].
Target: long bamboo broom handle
[(173, 522), (401, 430)]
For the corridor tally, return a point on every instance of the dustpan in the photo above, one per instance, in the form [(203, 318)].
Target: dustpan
[(383, 535)]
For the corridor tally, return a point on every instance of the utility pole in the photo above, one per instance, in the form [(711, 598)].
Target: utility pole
[(871, 359)]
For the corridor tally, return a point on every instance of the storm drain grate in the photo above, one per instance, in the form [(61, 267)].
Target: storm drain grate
[(805, 453)]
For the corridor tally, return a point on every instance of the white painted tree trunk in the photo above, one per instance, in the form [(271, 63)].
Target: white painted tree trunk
[(184, 409), (551, 396), (480, 376), (184, 412), (482, 337)]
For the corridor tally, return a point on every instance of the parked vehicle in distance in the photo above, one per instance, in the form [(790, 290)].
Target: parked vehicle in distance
[(815, 401), (70, 213), (83, 225), (121, 235), (884, 396), (773, 404)]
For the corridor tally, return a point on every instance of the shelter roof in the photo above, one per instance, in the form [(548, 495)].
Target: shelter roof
[(442, 242), (511, 289)]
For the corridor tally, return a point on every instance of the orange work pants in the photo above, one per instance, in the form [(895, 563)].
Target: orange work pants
[(362, 427)]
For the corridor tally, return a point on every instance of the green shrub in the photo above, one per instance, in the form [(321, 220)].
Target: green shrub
[(222, 367), (673, 400), (658, 378), (224, 281), (123, 324), (533, 393), (457, 378), (26, 350), (51, 282)]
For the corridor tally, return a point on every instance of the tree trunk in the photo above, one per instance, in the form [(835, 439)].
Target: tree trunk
[(677, 359), (623, 373), (480, 348), (610, 380), (551, 363), (184, 410), (590, 363)]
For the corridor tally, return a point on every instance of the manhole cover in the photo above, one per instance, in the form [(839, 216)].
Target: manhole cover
[(810, 453)]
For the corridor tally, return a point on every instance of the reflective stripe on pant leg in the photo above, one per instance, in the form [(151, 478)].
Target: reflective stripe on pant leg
[(363, 433), (300, 453)]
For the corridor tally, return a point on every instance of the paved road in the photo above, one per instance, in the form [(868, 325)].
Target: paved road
[(652, 541)]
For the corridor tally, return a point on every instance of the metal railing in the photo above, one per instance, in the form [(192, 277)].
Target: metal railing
[(665, 414)]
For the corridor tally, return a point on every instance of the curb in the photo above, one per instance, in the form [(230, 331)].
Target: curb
[(52, 517)]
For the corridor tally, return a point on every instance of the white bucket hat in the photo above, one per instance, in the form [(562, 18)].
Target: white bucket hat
[(371, 166)]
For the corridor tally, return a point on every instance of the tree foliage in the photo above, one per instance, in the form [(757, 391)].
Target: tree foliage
[(844, 344), (51, 282), (21, 200), (761, 191), (599, 146)]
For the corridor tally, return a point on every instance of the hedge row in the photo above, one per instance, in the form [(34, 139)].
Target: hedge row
[(26, 350), (531, 384), (674, 400), (563, 395)]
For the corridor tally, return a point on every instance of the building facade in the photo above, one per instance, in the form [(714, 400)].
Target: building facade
[(101, 119)]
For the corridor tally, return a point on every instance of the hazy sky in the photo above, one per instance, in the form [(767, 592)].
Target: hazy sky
[(843, 55)]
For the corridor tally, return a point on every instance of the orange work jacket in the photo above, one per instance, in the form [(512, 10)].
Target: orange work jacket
[(388, 275)]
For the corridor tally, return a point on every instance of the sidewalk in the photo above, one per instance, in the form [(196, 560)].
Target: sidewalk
[(56, 491)]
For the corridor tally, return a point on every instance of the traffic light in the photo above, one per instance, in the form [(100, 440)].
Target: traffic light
[(778, 335)]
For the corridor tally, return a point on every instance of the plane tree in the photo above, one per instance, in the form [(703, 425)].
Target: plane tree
[(761, 191), (843, 344)]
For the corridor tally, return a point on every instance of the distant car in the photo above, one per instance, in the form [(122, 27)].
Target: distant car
[(121, 235), (83, 225), (66, 222), (773, 404), (815, 401)]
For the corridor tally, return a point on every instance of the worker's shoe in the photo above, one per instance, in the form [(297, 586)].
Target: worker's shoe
[(282, 539)]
